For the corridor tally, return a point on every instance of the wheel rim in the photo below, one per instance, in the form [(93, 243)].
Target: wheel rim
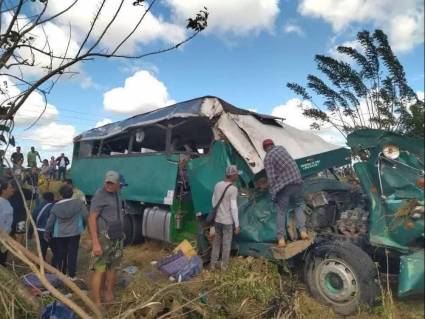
[(337, 281)]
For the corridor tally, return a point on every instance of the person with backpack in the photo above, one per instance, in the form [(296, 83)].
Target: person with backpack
[(64, 227), (224, 199), (40, 215)]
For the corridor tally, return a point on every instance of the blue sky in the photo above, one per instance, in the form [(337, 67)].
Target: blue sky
[(251, 49)]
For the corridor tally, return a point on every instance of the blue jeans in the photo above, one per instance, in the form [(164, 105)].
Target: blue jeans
[(294, 193)]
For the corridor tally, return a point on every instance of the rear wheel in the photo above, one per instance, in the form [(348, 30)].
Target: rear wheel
[(342, 276)]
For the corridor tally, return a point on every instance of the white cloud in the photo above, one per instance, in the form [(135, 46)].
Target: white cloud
[(291, 27), (292, 113), (403, 20), (420, 95), (152, 28), (237, 17), (103, 122), (142, 92), (52, 137), (31, 109), (343, 57)]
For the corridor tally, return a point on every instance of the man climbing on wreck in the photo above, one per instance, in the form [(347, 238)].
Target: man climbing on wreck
[(285, 185)]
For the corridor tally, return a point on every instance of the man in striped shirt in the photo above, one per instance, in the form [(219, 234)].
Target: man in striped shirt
[(285, 184)]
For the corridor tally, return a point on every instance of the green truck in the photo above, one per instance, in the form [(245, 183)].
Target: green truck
[(172, 157)]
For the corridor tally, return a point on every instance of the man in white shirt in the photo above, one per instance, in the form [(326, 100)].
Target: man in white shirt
[(226, 217)]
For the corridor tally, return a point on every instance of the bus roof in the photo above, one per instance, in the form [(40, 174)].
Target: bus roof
[(244, 129)]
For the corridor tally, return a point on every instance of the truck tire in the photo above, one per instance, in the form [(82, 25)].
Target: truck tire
[(137, 228), (341, 275), (128, 229)]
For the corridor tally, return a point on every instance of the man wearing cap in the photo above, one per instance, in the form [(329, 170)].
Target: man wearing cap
[(227, 216), (104, 210), (285, 184)]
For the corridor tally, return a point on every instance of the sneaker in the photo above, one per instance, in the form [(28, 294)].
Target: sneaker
[(304, 235), (281, 243)]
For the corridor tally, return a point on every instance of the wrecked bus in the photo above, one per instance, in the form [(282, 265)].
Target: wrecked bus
[(172, 157)]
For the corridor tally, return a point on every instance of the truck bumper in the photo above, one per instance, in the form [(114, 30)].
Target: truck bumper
[(411, 278)]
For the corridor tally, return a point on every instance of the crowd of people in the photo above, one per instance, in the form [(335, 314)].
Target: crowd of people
[(52, 169), (61, 221)]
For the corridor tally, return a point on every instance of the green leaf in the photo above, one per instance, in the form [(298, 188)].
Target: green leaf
[(12, 141)]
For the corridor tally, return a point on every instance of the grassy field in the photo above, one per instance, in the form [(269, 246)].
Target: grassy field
[(250, 288)]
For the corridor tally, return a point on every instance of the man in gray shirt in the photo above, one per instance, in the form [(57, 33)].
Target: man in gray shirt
[(227, 216), (104, 208)]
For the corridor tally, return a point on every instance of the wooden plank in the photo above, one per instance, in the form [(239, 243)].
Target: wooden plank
[(292, 248)]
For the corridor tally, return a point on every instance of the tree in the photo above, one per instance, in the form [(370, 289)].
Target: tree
[(365, 88), (25, 46)]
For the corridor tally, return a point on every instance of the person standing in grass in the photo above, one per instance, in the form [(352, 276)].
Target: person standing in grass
[(6, 213), (52, 168), (40, 215), (62, 162), (64, 227), (32, 157), (225, 196), (105, 210)]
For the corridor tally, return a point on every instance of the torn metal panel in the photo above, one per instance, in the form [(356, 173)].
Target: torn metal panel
[(248, 140), (240, 141)]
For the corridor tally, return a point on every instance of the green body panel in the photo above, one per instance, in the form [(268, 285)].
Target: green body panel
[(411, 277), (319, 162), (374, 140), (385, 228), (149, 177), (204, 172)]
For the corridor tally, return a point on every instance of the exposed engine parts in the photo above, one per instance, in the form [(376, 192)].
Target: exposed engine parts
[(344, 212), (353, 222)]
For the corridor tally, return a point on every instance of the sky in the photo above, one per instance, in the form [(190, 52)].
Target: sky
[(248, 53)]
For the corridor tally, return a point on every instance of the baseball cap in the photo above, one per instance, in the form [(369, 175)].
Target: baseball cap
[(112, 177), (232, 170), (267, 142)]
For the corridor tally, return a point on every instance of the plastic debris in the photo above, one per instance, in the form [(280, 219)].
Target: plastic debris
[(57, 310)]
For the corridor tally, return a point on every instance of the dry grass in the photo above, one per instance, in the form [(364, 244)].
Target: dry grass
[(250, 288)]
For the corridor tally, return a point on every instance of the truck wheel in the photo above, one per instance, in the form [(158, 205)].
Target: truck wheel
[(137, 229), (128, 229), (342, 276)]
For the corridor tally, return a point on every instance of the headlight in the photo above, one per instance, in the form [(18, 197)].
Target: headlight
[(391, 151)]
